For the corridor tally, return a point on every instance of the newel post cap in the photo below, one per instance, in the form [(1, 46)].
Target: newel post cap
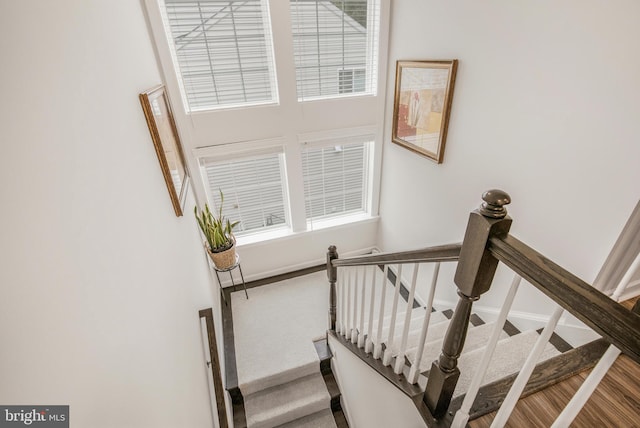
[(494, 203)]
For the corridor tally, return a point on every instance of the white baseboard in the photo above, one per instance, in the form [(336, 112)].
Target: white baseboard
[(292, 268), (570, 329)]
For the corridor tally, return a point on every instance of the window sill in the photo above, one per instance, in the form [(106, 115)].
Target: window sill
[(319, 227)]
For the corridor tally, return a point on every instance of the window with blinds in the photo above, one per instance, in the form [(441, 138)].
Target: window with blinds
[(253, 188), (335, 180), (332, 39), (223, 51)]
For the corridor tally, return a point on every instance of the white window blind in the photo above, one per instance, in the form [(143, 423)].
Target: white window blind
[(335, 179), (353, 80), (334, 35), (253, 189), (224, 52)]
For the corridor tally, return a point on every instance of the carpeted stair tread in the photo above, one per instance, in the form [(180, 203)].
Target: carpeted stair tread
[(417, 318), (436, 331), (284, 403), (508, 358), (279, 378), (322, 419), (477, 337)]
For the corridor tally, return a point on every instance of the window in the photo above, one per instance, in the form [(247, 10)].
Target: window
[(336, 180), (332, 41), (284, 168), (350, 81), (253, 188), (223, 51)]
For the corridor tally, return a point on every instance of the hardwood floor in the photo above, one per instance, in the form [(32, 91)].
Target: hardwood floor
[(615, 403)]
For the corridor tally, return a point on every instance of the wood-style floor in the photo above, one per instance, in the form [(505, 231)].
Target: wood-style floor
[(615, 403)]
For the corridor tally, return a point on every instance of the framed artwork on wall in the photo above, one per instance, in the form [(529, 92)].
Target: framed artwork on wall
[(422, 105), (166, 141)]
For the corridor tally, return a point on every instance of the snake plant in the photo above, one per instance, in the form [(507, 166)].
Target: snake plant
[(218, 231)]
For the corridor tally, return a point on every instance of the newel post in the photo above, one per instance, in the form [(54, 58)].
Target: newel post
[(474, 274), (332, 275)]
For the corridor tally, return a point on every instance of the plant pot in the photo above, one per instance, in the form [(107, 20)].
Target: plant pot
[(224, 259)]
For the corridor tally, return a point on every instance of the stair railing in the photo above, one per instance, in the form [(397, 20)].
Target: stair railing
[(357, 315), (487, 242)]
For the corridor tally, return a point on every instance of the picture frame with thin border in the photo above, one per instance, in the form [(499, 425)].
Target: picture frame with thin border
[(422, 105), (166, 141)]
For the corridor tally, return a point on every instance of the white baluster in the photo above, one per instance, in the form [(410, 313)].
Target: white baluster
[(407, 321), (339, 303), (574, 406), (525, 373), (386, 359), (354, 320), (589, 385), (377, 349), (348, 308), (626, 279), (462, 416), (369, 342), (414, 373), (363, 285), (343, 306)]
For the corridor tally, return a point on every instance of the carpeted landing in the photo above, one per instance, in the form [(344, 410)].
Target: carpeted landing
[(279, 369), (278, 366)]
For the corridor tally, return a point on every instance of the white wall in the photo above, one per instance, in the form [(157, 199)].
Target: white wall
[(545, 107), (100, 281), (369, 400)]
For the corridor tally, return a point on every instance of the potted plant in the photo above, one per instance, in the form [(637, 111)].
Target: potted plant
[(218, 231)]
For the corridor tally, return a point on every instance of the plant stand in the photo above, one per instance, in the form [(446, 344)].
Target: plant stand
[(229, 269)]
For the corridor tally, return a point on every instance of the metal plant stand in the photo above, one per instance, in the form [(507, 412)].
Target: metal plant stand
[(230, 269)]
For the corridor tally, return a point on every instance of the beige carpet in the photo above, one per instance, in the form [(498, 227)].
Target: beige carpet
[(274, 330)]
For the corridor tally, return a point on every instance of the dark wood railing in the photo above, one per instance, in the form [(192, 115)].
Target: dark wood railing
[(442, 253), (486, 243), (214, 364)]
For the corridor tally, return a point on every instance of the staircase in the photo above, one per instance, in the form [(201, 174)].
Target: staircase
[(452, 364), (307, 395)]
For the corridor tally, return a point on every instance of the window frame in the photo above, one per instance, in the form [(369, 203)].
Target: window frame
[(245, 151), (368, 140), (273, 77), (375, 10)]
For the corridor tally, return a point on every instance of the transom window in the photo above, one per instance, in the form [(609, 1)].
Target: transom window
[(331, 40), (223, 51)]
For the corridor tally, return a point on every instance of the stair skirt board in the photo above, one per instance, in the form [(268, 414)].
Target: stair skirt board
[(285, 403)]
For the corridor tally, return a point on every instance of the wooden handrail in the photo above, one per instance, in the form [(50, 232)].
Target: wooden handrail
[(618, 325), (214, 362), (441, 253)]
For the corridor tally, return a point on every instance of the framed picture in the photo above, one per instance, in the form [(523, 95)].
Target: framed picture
[(166, 141), (422, 104)]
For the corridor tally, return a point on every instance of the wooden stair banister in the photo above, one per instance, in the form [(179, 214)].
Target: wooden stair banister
[(474, 275), (616, 324), (487, 243), (441, 253)]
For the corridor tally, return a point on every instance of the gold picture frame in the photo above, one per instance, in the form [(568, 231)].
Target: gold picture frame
[(422, 105), (162, 126)]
